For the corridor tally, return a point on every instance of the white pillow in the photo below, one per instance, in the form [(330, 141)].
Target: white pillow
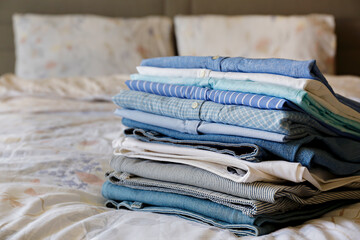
[(87, 45), (293, 37)]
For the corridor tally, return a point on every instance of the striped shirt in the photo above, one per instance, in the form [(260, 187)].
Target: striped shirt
[(246, 206), (218, 96)]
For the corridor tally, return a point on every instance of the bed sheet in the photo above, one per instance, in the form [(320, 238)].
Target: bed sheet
[(54, 150)]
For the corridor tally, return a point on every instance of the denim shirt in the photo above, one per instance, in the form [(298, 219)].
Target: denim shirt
[(208, 212)]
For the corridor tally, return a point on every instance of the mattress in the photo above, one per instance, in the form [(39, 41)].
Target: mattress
[(55, 147)]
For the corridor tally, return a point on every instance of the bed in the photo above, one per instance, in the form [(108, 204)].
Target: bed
[(55, 150), (56, 135)]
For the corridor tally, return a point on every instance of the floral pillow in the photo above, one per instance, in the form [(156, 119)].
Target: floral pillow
[(294, 37), (87, 45)]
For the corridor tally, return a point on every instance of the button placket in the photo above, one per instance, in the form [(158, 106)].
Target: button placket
[(194, 105)]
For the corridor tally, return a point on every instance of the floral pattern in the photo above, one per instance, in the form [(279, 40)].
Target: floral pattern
[(87, 45), (293, 37)]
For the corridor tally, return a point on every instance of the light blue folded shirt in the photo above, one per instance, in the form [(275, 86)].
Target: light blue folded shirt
[(283, 122), (201, 127)]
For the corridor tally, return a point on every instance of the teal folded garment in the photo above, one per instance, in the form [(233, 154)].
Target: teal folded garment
[(299, 97)]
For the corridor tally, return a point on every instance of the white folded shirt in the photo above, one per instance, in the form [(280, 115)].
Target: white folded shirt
[(267, 171)]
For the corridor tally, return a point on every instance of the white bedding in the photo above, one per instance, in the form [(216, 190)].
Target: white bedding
[(54, 151)]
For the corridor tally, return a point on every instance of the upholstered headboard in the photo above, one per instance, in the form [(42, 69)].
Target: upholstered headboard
[(346, 12)]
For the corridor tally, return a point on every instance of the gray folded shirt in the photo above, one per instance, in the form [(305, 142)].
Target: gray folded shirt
[(250, 198)]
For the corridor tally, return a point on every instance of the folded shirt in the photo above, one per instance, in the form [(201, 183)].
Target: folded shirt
[(243, 151), (217, 96), (319, 109), (227, 166), (189, 175), (206, 211), (202, 127), (283, 122), (244, 171), (316, 89), (246, 151), (246, 206), (339, 155), (193, 176), (237, 229)]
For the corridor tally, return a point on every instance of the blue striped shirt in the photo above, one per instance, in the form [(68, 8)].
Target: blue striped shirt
[(218, 96)]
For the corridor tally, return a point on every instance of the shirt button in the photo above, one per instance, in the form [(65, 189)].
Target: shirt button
[(215, 57), (194, 105), (202, 73)]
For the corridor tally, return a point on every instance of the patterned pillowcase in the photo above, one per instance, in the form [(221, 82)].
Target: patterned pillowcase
[(294, 37), (87, 45)]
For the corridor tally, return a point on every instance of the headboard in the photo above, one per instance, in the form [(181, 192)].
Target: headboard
[(346, 12)]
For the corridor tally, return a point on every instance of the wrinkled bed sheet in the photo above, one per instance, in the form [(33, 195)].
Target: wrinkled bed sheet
[(54, 150)]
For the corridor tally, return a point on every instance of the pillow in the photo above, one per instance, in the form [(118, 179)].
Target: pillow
[(87, 45), (80, 88), (347, 86), (293, 37)]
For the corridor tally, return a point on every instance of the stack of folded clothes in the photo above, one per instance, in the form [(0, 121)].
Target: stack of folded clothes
[(248, 145)]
